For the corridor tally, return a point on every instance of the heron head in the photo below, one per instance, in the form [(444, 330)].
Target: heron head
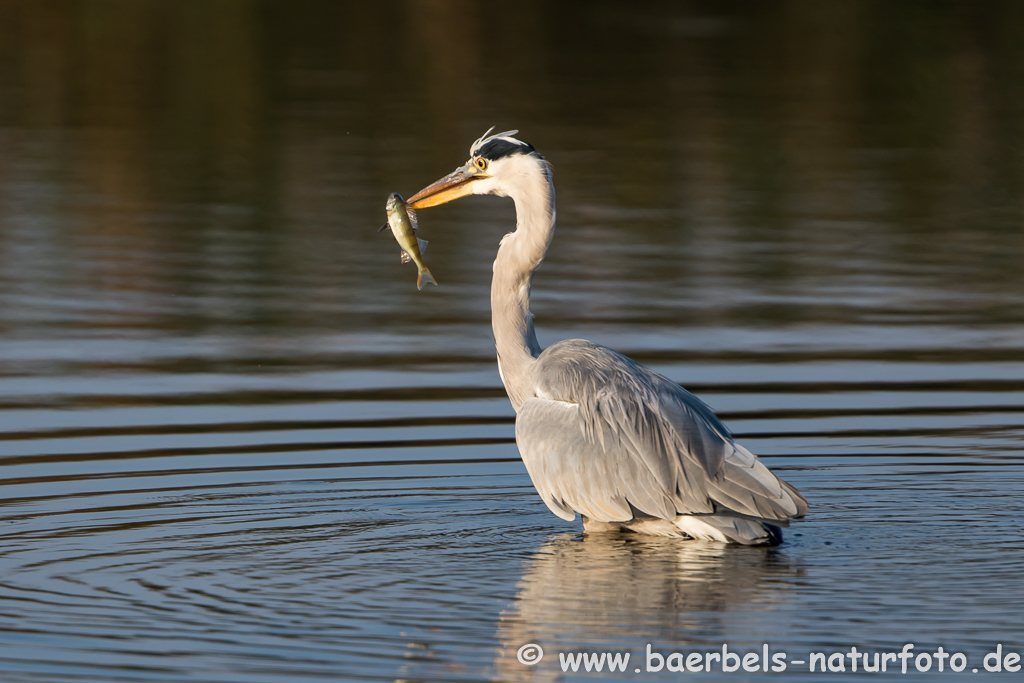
[(495, 164)]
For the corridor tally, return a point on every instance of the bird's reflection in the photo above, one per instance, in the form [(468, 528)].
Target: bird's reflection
[(619, 591)]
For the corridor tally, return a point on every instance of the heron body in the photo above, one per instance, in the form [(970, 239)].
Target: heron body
[(600, 434)]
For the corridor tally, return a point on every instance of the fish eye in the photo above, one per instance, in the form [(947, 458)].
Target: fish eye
[(481, 164)]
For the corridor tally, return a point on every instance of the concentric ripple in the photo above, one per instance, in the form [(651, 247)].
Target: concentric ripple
[(401, 538)]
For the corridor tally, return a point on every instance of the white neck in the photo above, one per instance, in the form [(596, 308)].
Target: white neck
[(519, 256)]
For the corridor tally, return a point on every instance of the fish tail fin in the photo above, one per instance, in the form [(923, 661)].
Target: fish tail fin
[(423, 277), (423, 244)]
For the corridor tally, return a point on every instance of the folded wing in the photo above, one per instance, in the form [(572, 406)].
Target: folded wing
[(607, 437)]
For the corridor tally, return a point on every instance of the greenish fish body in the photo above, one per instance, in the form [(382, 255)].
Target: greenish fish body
[(402, 221)]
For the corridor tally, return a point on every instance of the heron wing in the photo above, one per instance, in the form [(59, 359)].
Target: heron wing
[(606, 437)]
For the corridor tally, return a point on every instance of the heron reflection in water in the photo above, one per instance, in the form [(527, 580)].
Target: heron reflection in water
[(600, 434), (616, 592)]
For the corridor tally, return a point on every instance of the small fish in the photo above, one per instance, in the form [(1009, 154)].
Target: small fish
[(402, 221)]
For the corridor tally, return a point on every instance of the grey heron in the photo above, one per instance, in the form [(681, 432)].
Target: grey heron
[(600, 434)]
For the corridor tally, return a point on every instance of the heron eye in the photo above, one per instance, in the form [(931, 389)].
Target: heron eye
[(481, 164)]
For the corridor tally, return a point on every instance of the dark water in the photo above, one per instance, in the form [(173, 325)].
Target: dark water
[(238, 445)]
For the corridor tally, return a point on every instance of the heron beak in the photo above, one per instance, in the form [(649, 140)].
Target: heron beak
[(456, 184)]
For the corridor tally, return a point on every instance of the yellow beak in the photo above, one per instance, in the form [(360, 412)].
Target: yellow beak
[(456, 184)]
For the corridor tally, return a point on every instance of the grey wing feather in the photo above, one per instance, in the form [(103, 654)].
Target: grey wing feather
[(604, 436), (560, 459)]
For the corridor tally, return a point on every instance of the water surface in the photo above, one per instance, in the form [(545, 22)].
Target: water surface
[(236, 444)]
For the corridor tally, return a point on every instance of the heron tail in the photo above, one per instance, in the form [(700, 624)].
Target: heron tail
[(423, 277)]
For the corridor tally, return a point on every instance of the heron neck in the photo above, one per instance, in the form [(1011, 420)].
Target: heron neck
[(519, 256)]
